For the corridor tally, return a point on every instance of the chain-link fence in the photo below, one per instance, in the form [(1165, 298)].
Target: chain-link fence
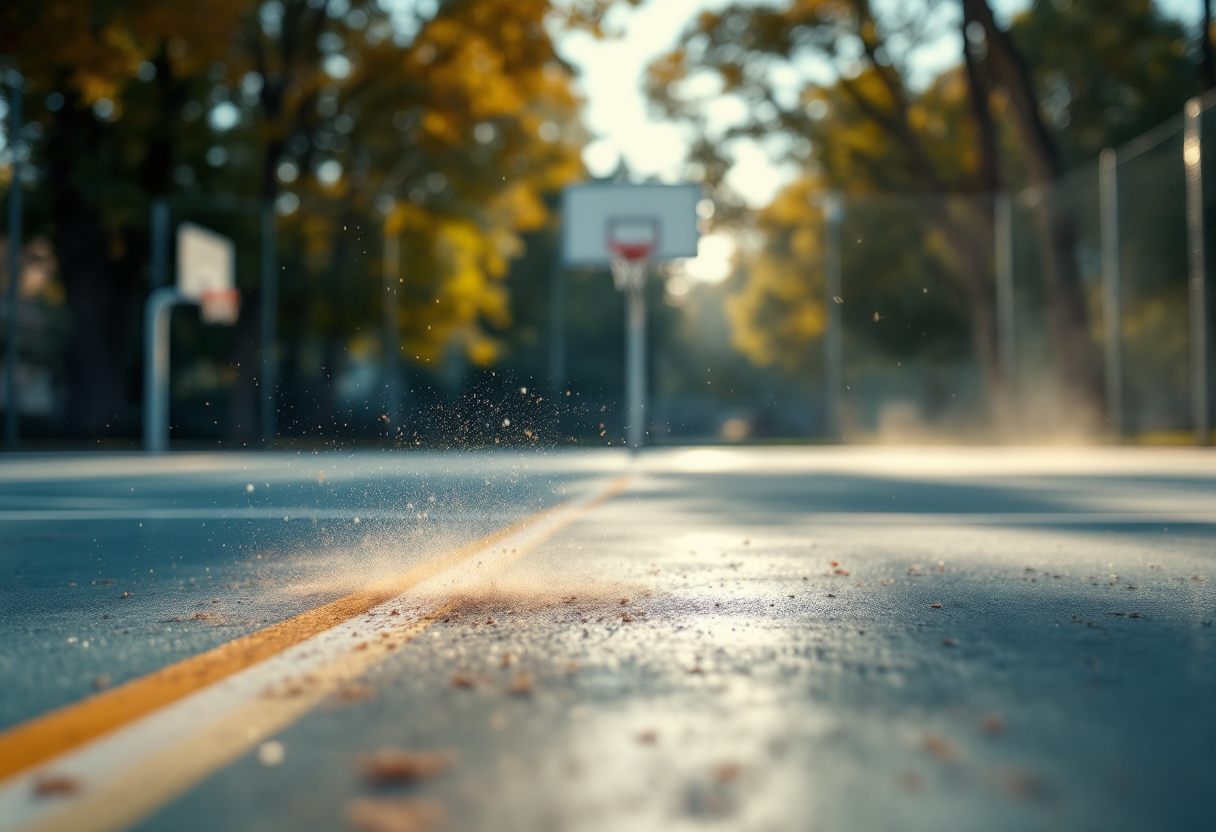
[(922, 318), (943, 308)]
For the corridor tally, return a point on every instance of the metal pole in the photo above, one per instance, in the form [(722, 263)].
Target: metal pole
[(557, 326), (1005, 326), (833, 370), (1112, 309), (269, 324), (392, 327), (157, 311), (15, 210), (635, 364), (160, 243), (1193, 158)]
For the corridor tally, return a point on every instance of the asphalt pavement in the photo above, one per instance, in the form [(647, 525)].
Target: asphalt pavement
[(730, 638)]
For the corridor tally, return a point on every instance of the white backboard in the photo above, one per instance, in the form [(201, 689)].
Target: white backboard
[(592, 213), (206, 261)]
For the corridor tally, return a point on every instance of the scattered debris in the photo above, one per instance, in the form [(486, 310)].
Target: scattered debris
[(125, 595), (55, 785), (624, 601), (947, 642), (1022, 785), (505, 661), (727, 772), (935, 606), (648, 737), (626, 617), (522, 684), (992, 724), (360, 646), (208, 616), (368, 815), (101, 682), (355, 692), (395, 765), (462, 680), (939, 747)]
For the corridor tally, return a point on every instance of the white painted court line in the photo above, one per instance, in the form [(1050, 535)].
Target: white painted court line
[(961, 518), (216, 513), (130, 772)]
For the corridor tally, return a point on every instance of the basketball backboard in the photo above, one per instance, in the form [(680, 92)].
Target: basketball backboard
[(606, 221), (206, 261)]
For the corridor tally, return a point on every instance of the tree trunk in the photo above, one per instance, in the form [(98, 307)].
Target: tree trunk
[(969, 244), (1207, 66), (1078, 372), (98, 404)]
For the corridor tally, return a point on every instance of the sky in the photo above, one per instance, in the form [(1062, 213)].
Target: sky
[(611, 73)]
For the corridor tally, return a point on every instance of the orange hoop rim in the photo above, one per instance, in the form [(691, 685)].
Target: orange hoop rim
[(632, 252)]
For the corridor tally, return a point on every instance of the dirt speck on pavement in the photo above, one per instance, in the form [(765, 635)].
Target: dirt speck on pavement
[(992, 724), (462, 680), (522, 684), (939, 748), (368, 815), (55, 785), (395, 765)]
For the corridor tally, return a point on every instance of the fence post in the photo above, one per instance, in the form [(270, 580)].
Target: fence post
[(557, 326), (269, 324), (392, 326), (1192, 155), (160, 220), (15, 210), (833, 364), (1003, 239), (1112, 308)]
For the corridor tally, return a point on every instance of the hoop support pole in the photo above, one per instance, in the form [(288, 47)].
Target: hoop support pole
[(156, 367)]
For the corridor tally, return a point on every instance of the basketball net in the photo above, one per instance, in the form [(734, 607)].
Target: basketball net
[(220, 306), (630, 263)]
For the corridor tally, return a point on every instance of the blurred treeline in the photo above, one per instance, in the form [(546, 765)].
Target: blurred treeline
[(449, 123), (838, 89), (454, 124)]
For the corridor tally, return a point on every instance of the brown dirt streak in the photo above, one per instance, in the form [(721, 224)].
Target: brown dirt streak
[(44, 737)]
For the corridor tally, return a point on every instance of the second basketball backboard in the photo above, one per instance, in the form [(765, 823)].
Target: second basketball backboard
[(605, 221)]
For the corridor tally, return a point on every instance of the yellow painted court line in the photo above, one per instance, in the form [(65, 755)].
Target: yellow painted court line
[(45, 737), (163, 775)]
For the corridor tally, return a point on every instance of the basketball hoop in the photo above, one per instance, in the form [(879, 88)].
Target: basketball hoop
[(631, 242), (629, 264), (220, 306)]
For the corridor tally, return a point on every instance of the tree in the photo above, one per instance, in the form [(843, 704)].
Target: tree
[(101, 164), (859, 125), (460, 118), (865, 128)]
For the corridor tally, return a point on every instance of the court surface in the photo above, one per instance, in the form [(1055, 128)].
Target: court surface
[(730, 638)]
